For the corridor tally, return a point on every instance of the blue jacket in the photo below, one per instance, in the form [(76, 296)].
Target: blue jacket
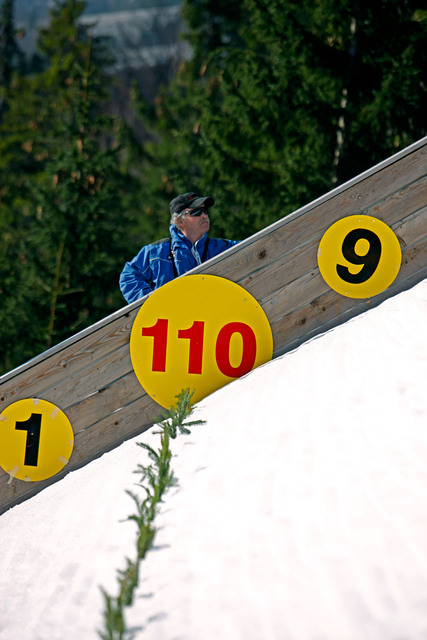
[(157, 264)]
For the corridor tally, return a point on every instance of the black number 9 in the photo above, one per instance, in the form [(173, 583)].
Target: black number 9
[(370, 260)]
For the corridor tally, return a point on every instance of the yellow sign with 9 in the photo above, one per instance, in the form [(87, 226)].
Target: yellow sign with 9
[(359, 256), (197, 332)]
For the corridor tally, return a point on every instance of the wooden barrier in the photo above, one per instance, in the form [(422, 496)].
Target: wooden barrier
[(90, 375)]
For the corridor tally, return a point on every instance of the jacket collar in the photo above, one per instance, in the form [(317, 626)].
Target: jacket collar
[(179, 239)]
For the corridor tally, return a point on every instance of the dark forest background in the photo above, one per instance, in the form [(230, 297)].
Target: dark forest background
[(279, 102)]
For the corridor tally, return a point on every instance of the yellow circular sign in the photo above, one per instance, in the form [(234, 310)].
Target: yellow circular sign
[(36, 439), (197, 332), (359, 256)]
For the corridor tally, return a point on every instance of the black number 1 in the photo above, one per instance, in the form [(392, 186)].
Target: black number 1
[(370, 260), (32, 427)]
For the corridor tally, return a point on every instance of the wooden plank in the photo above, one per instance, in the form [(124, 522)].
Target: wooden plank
[(411, 228), (113, 429), (105, 402), (97, 375), (67, 361)]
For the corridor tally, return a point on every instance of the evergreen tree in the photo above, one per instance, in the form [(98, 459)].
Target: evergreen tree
[(11, 56), (66, 203), (383, 81), (16, 272), (282, 101)]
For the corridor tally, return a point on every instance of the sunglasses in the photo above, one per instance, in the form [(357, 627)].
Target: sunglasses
[(198, 212)]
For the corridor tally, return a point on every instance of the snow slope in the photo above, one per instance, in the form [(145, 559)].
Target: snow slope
[(300, 513)]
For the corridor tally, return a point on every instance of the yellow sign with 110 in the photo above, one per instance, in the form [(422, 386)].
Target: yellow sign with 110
[(197, 332)]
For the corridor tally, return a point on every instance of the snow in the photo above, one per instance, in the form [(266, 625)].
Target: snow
[(300, 511)]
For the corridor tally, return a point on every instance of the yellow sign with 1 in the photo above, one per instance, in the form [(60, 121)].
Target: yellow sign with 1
[(359, 256), (197, 332), (36, 439)]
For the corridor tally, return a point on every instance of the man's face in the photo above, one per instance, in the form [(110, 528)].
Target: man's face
[(193, 227)]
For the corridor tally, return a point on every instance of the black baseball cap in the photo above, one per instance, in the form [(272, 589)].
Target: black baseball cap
[(190, 201)]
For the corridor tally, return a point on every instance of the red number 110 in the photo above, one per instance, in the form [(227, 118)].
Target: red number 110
[(195, 334)]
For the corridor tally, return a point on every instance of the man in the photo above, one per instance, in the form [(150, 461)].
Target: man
[(162, 261)]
